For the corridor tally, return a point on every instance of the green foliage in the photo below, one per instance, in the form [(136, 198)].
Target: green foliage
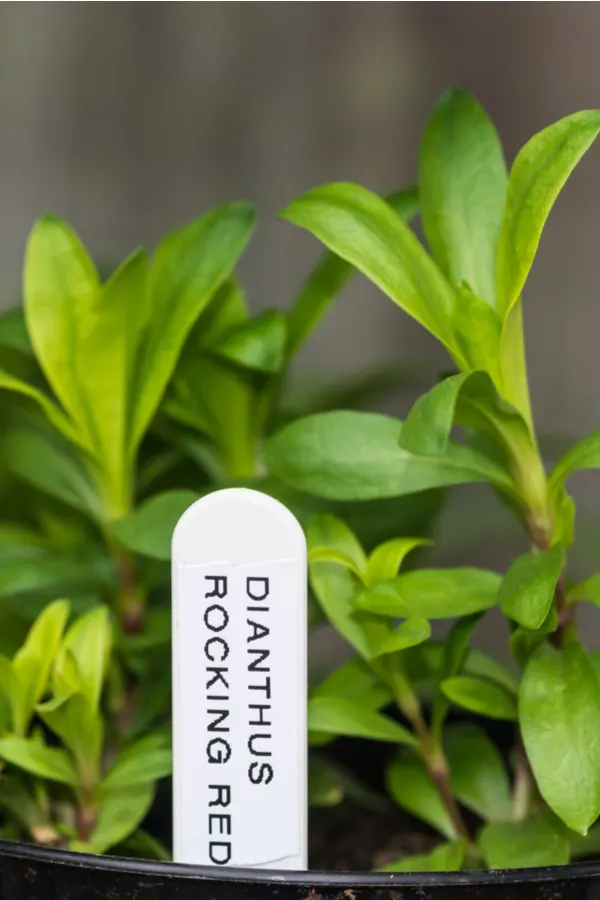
[(559, 702), (61, 676), (124, 399), (482, 225)]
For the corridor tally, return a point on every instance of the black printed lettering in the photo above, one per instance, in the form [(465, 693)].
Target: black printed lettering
[(260, 773), (220, 586)]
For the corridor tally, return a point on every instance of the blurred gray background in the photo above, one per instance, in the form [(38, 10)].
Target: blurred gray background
[(130, 118)]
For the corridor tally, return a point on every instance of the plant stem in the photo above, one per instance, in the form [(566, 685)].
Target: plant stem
[(131, 602), (432, 753), (524, 787)]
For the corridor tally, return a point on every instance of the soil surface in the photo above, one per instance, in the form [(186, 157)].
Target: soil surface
[(348, 838)]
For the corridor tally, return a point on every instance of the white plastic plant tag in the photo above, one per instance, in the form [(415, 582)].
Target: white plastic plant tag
[(239, 683)]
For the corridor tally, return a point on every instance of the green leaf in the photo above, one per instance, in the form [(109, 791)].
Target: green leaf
[(107, 332), (445, 858), (585, 454), (188, 267), (348, 718), (50, 409), (39, 760), (478, 333), (31, 664), (408, 634), (433, 593), (386, 559), (559, 711), (356, 456), (119, 814), (18, 802), (88, 640), (47, 462), (331, 555), (478, 777), (355, 680), (463, 179), (537, 176), (257, 344), (361, 228), (79, 728), (483, 666), (523, 845), (587, 590), (333, 585), (413, 790), (470, 399), (147, 760), (148, 529), (527, 589), (60, 287), (481, 697), (329, 277)]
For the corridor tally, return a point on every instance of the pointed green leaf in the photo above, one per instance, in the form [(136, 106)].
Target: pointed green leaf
[(433, 593), (468, 398), (478, 333), (585, 454), (51, 410), (361, 228), (145, 761), (481, 697), (88, 640), (445, 858), (413, 790), (188, 267), (79, 728), (355, 680), (478, 777), (108, 332), (485, 667), (329, 277), (42, 459), (32, 663), (356, 456), (257, 344), (348, 718), (559, 712), (148, 529), (527, 589), (523, 845), (119, 814), (587, 590), (462, 179), (386, 559), (408, 634), (331, 555), (333, 585), (39, 760), (60, 285), (536, 179), (17, 800)]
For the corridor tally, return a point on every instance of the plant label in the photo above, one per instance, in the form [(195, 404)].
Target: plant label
[(239, 683)]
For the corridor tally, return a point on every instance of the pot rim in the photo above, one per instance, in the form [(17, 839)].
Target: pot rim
[(18, 850)]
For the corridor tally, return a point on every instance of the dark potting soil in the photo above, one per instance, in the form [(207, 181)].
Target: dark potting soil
[(349, 838)]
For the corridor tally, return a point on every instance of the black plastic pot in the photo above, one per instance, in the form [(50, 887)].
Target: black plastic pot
[(34, 873)]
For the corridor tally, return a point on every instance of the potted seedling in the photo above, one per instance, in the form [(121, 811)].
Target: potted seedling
[(130, 420)]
